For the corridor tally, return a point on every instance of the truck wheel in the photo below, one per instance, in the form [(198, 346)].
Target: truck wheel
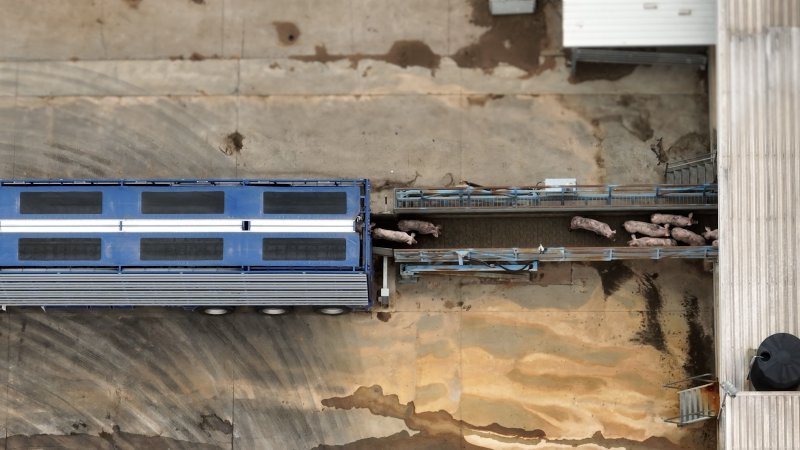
[(215, 310), (332, 310), (273, 310)]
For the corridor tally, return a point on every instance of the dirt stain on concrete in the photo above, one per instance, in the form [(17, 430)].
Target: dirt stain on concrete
[(638, 125), (432, 425), (653, 442), (700, 345), (439, 430), (212, 422), (384, 316), (288, 33), (651, 332), (391, 184), (404, 441), (405, 54), (115, 440), (516, 40), (412, 53), (612, 275), (233, 143), (199, 2), (134, 4), (482, 100), (689, 145)]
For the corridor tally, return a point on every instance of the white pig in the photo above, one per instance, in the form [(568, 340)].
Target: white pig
[(647, 229), (651, 242), (420, 226), (396, 236), (673, 219), (711, 235), (592, 225), (687, 237)]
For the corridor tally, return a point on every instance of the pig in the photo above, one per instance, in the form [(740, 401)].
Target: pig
[(420, 226), (396, 236), (592, 225), (647, 229), (711, 235), (673, 219), (651, 242), (715, 243), (688, 237)]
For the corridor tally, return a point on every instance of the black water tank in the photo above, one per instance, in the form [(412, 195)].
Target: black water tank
[(777, 367)]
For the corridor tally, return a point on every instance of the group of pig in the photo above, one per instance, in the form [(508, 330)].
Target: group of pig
[(657, 233), (408, 229)]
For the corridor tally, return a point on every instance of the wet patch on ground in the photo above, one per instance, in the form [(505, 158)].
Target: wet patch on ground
[(212, 422), (404, 441), (650, 443), (405, 54), (700, 353), (233, 144), (288, 33), (516, 40), (134, 4), (651, 332), (439, 430), (384, 316), (431, 425)]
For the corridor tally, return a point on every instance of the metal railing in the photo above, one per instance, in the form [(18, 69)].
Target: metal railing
[(701, 169), (556, 198), (415, 261)]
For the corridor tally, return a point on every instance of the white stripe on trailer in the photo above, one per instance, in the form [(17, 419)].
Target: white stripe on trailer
[(302, 226), (175, 226), (183, 226), (59, 226)]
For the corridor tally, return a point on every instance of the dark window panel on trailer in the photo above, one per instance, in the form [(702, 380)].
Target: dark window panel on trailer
[(299, 249), (181, 249), (56, 202), (305, 202), (59, 249), (194, 202)]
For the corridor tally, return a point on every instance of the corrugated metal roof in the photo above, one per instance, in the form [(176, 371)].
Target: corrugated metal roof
[(759, 176), (765, 421), (637, 23)]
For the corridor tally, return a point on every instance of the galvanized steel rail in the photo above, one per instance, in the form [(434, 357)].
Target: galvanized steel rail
[(472, 199), (413, 262)]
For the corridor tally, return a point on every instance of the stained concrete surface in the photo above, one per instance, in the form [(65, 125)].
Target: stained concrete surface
[(406, 93), (455, 363)]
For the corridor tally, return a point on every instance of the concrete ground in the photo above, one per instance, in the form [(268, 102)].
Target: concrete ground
[(575, 360), (406, 93)]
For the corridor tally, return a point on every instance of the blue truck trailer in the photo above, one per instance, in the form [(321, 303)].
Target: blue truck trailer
[(209, 245)]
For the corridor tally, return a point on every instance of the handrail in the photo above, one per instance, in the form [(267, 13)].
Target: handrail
[(552, 254), (555, 198)]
